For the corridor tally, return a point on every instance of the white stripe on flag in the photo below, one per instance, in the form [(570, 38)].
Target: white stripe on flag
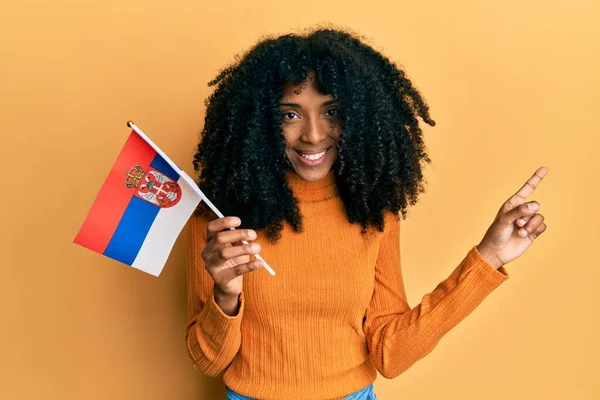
[(164, 231)]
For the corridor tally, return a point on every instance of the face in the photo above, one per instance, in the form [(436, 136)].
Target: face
[(311, 128)]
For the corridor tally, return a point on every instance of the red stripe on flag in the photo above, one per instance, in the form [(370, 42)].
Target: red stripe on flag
[(114, 197)]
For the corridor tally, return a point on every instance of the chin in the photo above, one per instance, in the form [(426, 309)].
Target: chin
[(312, 175)]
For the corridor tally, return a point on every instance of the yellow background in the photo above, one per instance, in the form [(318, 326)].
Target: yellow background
[(513, 85)]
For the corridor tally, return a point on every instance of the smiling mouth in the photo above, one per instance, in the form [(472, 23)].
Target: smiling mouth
[(313, 156), (312, 160)]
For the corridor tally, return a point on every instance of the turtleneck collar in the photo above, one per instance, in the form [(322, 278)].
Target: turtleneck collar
[(310, 192)]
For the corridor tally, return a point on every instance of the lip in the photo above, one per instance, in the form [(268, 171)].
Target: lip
[(311, 152), (311, 163)]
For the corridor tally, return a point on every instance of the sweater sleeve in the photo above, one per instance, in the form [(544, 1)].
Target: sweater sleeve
[(398, 336), (213, 337)]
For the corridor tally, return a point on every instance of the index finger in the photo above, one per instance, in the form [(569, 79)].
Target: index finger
[(217, 225), (532, 183)]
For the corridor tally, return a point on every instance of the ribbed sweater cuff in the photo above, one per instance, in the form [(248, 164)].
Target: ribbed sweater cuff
[(218, 336), (498, 275), (219, 322)]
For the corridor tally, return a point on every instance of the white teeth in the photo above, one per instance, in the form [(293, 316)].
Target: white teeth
[(313, 157)]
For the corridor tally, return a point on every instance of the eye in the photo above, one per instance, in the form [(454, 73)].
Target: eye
[(332, 112), (288, 115)]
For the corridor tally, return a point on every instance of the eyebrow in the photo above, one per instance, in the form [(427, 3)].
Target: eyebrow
[(294, 105)]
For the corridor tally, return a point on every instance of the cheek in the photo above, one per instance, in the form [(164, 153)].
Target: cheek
[(334, 153), (291, 135), (335, 133)]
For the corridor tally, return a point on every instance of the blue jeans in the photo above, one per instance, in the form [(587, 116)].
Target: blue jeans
[(363, 394)]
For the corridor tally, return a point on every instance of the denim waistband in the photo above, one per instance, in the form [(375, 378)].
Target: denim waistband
[(367, 393)]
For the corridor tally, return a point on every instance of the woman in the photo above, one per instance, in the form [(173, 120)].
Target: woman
[(312, 147)]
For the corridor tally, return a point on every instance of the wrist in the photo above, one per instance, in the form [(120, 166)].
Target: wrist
[(489, 257), (228, 303)]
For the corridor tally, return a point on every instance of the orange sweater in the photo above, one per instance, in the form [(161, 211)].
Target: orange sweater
[(334, 314)]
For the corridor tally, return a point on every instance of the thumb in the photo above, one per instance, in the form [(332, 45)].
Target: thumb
[(524, 210)]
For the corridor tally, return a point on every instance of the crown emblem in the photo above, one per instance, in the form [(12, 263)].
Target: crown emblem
[(134, 176), (153, 186)]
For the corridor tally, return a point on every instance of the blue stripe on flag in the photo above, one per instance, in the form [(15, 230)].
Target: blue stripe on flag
[(132, 229), (161, 165)]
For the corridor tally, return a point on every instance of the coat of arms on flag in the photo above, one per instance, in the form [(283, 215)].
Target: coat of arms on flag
[(155, 187)]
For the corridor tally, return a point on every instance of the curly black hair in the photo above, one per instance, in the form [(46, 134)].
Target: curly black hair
[(241, 155)]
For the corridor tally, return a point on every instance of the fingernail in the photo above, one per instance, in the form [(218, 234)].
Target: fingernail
[(533, 206), (523, 232), (255, 248), (521, 221), (252, 234)]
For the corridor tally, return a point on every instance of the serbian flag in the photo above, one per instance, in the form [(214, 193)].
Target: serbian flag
[(141, 208)]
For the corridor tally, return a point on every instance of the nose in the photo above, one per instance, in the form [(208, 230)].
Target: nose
[(314, 131)]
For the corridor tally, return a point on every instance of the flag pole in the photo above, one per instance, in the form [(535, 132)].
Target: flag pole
[(191, 183)]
